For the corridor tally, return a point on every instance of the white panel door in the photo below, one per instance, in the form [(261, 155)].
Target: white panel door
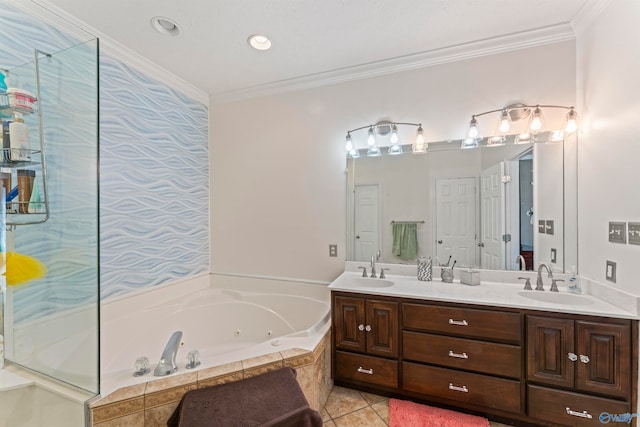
[(366, 222), (456, 206), (492, 218)]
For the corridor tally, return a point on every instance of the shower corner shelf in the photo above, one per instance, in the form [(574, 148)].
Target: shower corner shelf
[(37, 163)]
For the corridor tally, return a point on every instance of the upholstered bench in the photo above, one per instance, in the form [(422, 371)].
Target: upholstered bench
[(270, 399)]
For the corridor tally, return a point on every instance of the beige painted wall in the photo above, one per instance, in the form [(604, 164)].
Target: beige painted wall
[(609, 147), (278, 163)]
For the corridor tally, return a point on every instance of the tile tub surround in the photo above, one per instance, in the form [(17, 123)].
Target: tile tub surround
[(151, 404)]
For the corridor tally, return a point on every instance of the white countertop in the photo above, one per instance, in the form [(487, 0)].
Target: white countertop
[(489, 293)]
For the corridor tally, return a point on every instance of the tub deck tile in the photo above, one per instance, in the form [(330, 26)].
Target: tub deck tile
[(132, 420), (170, 395), (219, 371), (297, 357), (118, 410), (124, 393), (158, 416), (163, 383), (221, 379), (267, 359)]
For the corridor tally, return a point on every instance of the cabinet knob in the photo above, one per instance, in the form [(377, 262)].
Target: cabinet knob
[(367, 328), (573, 357), (361, 327), (584, 359)]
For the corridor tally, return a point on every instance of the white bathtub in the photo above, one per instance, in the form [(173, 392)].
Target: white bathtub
[(231, 319)]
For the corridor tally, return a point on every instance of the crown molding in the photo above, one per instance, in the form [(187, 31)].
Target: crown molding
[(587, 14), (491, 46), (52, 15)]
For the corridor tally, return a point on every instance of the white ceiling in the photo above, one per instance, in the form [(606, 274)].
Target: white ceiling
[(311, 38)]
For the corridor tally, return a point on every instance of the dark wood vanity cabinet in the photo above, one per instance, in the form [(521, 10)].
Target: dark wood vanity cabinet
[(579, 368), (521, 365), (366, 340)]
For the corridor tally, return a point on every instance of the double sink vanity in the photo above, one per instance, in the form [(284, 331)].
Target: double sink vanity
[(518, 356)]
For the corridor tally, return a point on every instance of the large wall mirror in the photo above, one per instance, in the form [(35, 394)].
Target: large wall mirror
[(482, 207)]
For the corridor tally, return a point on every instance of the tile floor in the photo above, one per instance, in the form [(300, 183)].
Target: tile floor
[(349, 408)]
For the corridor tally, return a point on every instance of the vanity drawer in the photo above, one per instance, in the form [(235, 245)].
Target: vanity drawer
[(475, 389), (480, 356), (569, 408), (373, 370), (466, 322)]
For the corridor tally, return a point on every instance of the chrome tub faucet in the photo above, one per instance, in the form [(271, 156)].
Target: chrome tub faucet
[(167, 364)]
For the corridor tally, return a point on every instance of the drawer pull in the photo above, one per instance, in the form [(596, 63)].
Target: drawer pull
[(361, 327), (584, 359), (458, 322), (573, 357), (583, 414), (365, 371), (463, 389), (458, 355)]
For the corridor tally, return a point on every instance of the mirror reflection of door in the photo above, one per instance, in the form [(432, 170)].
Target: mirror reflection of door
[(366, 225), (492, 208), (456, 207), (525, 190)]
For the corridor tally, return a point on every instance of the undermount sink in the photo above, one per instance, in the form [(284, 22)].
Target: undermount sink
[(556, 298), (368, 282)]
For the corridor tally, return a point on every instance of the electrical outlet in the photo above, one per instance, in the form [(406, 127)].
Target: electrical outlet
[(554, 254), (549, 226), (333, 250), (611, 271), (634, 233), (542, 228), (618, 232)]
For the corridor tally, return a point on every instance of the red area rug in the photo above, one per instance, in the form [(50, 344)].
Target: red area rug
[(403, 413)]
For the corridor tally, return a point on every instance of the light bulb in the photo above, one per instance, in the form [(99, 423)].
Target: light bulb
[(473, 128), (394, 135), (504, 121), (536, 121), (371, 139), (349, 145), (572, 123), (420, 146)]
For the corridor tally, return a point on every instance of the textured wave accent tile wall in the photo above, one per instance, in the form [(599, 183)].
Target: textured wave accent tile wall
[(154, 195)]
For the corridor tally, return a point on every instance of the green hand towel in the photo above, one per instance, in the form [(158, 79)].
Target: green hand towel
[(405, 241)]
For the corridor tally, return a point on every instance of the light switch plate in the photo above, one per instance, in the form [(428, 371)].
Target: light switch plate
[(634, 233), (554, 254), (549, 226), (333, 250), (542, 228), (618, 232), (611, 271)]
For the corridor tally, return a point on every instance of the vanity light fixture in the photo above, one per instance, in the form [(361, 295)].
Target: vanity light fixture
[(517, 112), (385, 129)]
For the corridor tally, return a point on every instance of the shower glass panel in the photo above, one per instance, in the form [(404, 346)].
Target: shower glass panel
[(51, 324)]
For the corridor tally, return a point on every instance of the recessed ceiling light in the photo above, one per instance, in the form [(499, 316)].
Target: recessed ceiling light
[(165, 26), (260, 42)]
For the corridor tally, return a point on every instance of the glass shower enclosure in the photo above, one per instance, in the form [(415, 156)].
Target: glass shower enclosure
[(51, 325)]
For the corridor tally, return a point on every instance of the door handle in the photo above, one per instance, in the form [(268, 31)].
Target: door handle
[(481, 244), (357, 237), (439, 242)]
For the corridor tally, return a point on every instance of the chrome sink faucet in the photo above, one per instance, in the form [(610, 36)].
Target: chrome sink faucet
[(539, 283), (373, 267), (167, 363)]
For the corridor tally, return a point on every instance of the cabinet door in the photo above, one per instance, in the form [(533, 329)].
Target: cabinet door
[(349, 323), (550, 344), (382, 328), (604, 358)]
